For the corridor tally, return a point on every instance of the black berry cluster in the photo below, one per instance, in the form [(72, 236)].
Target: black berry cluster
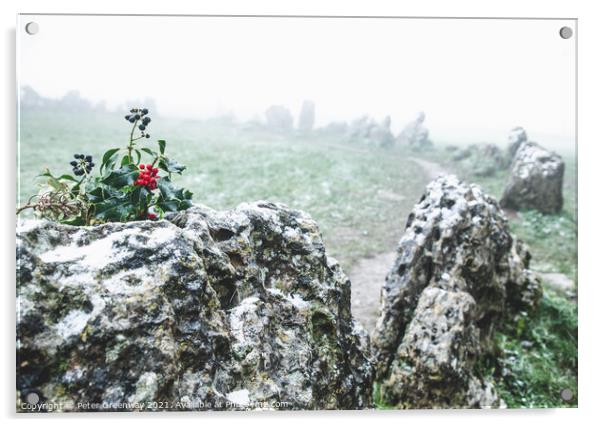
[(82, 164), (140, 115)]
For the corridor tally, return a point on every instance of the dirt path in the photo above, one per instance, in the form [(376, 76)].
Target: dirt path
[(560, 283), (368, 275), (431, 169)]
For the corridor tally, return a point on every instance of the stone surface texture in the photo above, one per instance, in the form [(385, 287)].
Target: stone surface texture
[(457, 274), (238, 309)]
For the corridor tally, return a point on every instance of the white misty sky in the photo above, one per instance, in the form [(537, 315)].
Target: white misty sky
[(475, 79)]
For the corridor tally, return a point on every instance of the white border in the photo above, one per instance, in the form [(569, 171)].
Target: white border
[(590, 117)]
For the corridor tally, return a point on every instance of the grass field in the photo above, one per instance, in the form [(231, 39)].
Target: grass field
[(360, 196)]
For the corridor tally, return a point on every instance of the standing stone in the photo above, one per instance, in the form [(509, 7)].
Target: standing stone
[(516, 137), (458, 273), (239, 309), (535, 180), (415, 134), (279, 119), (481, 159), (307, 117), (381, 135), (359, 129), (369, 131)]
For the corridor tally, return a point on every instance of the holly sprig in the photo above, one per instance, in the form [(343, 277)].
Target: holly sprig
[(132, 183)]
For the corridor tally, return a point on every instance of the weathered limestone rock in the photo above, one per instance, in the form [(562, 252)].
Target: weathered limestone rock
[(458, 272), (415, 134), (535, 180), (279, 119), (207, 310), (307, 117)]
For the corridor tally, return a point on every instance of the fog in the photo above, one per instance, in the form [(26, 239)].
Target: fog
[(475, 79)]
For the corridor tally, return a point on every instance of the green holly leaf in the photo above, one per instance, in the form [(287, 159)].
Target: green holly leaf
[(162, 144), (109, 159), (118, 178), (171, 198), (141, 197), (115, 209), (149, 151), (171, 166)]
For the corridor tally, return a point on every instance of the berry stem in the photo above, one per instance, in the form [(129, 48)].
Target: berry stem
[(132, 139)]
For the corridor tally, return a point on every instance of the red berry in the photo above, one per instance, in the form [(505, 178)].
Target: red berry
[(155, 171), (149, 166), (141, 166)]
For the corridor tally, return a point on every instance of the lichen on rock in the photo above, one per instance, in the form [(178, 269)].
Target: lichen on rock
[(458, 273), (240, 309)]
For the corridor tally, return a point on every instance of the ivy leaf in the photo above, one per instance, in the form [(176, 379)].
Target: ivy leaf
[(162, 144), (67, 177), (54, 182)]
